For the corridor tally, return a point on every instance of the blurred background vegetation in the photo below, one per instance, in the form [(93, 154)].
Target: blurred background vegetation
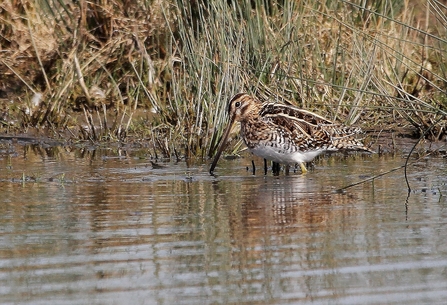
[(161, 72)]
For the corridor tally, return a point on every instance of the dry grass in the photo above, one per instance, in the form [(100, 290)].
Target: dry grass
[(162, 71)]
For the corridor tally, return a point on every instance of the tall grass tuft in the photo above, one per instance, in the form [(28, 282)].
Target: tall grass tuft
[(163, 71)]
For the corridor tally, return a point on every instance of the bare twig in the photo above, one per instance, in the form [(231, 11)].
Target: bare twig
[(390, 171), (413, 148)]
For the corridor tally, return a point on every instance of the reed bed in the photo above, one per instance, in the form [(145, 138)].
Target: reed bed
[(161, 72)]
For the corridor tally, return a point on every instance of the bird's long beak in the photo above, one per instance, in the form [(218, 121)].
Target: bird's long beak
[(223, 141)]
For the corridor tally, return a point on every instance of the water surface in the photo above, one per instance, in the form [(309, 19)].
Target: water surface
[(109, 227)]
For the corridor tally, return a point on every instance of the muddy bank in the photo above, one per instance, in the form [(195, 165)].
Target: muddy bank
[(394, 141)]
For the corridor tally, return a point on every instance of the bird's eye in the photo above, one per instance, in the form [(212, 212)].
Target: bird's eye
[(237, 104)]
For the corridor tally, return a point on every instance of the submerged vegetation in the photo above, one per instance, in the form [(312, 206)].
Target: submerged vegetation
[(161, 72)]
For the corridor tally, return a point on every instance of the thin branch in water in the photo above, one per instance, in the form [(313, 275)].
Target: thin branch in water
[(414, 147), (390, 171), (370, 178)]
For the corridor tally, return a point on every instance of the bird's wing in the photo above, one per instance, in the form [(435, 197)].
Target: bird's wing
[(295, 122)]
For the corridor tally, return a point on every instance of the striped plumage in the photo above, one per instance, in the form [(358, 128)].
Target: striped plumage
[(286, 134)]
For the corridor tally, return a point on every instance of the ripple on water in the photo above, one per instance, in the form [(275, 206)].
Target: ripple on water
[(119, 230)]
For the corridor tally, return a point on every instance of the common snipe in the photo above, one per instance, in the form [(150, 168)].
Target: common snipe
[(285, 134)]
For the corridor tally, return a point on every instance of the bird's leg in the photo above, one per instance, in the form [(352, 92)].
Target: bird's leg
[(287, 169), (254, 167), (265, 167), (275, 168), (303, 168)]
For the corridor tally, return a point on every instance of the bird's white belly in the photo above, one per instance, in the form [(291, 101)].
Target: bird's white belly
[(273, 154)]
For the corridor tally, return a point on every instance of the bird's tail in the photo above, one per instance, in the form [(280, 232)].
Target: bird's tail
[(345, 138), (350, 143)]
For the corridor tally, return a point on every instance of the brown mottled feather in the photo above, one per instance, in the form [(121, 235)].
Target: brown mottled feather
[(303, 129)]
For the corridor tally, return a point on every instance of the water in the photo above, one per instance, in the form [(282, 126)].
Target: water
[(107, 227)]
